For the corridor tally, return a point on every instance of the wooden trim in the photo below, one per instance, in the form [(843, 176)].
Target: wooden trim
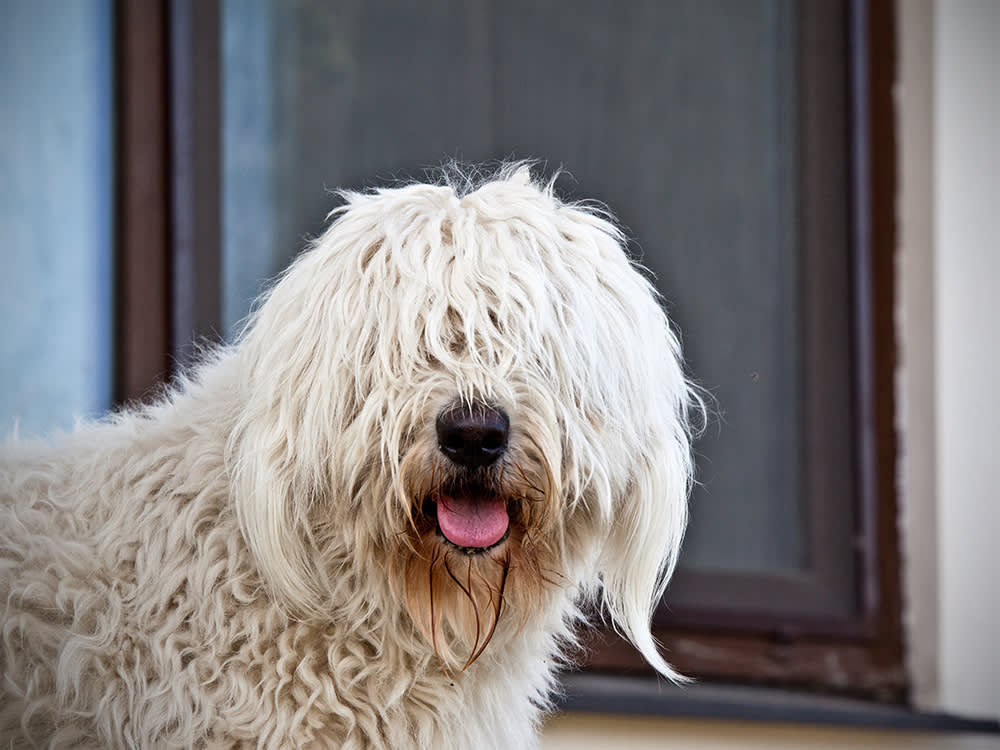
[(142, 236), (196, 181), (168, 186), (887, 621), (646, 696)]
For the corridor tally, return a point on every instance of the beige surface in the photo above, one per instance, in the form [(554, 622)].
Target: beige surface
[(597, 732)]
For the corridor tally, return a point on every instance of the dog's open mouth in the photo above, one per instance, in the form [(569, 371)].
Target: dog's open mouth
[(472, 521)]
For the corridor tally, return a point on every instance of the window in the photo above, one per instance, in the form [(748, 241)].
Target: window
[(742, 146), (55, 215)]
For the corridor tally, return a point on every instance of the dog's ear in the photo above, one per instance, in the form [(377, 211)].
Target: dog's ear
[(642, 549), (648, 519), (271, 507), (281, 450)]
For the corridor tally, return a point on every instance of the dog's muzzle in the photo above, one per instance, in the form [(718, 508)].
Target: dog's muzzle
[(473, 437)]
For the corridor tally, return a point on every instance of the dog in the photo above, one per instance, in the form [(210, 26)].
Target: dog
[(455, 424)]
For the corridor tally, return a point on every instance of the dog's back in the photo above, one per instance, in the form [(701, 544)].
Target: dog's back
[(49, 589), (104, 533)]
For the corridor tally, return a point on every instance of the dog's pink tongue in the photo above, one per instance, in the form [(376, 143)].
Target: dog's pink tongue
[(472, 521)]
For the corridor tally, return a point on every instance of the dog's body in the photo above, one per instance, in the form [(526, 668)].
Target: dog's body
[(370, 522)]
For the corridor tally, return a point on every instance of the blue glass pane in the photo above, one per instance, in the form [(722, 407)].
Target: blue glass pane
[(55, 213)]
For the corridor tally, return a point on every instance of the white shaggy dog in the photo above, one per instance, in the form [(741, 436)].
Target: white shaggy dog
[(371, 521)]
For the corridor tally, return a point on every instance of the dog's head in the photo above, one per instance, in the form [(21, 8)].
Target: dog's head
[(458, 405)]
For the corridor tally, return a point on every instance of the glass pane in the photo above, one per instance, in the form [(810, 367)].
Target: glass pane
[(55, 214), (680, 115)]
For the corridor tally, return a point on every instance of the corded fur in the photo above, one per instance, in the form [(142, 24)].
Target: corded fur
[(248, 563)]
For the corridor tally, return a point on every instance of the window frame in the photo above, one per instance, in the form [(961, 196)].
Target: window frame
[(169, 255), (168, 188), (860, 654), (821, 596)]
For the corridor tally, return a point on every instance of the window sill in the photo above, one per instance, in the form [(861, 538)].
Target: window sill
[(647, 696)]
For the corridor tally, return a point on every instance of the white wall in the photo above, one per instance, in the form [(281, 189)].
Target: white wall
[(967, 356)]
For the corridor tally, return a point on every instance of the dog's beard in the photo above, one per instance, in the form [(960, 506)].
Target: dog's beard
[(459, 598)]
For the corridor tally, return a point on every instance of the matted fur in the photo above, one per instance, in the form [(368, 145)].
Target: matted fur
[(249, 563)]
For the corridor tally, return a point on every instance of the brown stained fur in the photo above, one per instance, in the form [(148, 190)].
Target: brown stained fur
[(457, 599)]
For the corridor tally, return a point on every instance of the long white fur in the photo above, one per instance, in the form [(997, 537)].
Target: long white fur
[(216, 570)]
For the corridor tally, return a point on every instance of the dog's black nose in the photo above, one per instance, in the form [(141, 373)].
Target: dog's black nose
[(473, 435)]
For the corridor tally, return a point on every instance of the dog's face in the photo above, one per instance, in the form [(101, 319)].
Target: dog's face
[(475, 399)]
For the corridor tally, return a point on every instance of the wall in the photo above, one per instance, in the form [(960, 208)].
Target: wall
[(967, 349), (949, 264), (55, 212)]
